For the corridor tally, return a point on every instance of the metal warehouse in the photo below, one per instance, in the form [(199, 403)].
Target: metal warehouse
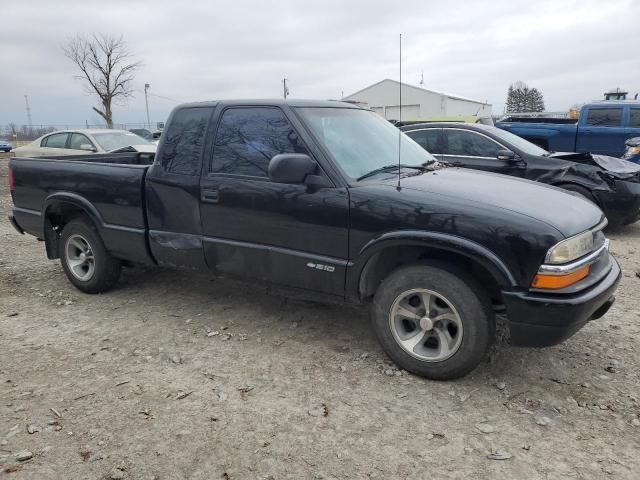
[(417, 103)]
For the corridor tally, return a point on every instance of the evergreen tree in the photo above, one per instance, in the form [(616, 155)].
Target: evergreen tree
[(521, 98)]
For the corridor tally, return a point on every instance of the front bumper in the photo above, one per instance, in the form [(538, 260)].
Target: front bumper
[(542, 319)]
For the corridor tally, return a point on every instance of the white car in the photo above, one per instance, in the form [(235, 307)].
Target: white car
[(76, 142)]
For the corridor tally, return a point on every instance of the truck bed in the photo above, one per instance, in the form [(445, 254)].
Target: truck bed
[(561, 121), (559, 137), (129, 158), (109, 186)]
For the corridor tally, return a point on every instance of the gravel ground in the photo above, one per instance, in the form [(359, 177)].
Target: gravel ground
[(176, 375)]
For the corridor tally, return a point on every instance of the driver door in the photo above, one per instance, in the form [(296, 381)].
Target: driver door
[(294, 235)]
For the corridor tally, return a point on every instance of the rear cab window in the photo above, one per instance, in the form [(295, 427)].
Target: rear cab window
[(184, 141), (604, 117)]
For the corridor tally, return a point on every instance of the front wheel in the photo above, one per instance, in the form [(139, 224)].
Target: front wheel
[(84, 258), (435, 322)]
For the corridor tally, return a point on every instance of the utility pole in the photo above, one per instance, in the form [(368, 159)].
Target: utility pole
[(422, 78), (146, 102), (285, 89), (26, 101)]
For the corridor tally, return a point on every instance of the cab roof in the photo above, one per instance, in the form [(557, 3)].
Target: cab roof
[(275, 102)]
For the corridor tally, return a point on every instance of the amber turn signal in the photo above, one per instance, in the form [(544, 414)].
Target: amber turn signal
[(556, 282)]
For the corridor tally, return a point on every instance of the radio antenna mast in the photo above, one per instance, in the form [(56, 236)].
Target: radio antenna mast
[(400, 114)]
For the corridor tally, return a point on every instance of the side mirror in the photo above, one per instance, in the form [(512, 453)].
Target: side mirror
[(87, 147), (292, 168), (507, 156)]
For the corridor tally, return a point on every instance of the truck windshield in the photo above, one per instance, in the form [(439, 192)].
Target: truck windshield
[(115, 140), (361, 141)]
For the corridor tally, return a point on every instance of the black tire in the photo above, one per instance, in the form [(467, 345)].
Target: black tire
[(467, 298), (583, 192), (106, 269)]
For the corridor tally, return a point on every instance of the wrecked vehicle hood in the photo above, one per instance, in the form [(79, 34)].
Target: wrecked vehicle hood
[(616, 167)]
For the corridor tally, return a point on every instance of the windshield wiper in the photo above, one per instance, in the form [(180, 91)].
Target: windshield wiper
[(386, 168)]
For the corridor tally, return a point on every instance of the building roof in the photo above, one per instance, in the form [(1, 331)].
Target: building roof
[(406, 85)]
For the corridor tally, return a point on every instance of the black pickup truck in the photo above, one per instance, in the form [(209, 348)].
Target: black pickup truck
[(312, 195)]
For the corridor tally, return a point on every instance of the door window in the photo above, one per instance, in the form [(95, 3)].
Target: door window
[(604, 117), (57, 140), (184, 140), (634, 119), (429, 139), (248, 138), (77, 139), (470, 144)]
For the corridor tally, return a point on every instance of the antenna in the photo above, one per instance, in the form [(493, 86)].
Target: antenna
[(146, 102), (422, 78), (400, 114)]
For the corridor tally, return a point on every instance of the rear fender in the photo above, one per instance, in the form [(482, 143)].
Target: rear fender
[(122, 242), (56, 204)]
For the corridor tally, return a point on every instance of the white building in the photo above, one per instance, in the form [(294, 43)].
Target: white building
[(417, 103)]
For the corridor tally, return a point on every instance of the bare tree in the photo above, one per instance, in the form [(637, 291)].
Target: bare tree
[(106, 66)]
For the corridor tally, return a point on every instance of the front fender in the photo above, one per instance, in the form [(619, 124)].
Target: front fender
[(433, 240)]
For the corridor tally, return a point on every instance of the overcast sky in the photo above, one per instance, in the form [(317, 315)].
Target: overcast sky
[(199, 49)]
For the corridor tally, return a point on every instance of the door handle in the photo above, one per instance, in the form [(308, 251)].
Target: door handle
[(210, 196)]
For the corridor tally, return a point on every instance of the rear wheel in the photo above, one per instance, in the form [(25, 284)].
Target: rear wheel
[(433, 321), (84, 258)]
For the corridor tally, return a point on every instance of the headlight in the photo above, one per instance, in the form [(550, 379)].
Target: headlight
[(570, 249)]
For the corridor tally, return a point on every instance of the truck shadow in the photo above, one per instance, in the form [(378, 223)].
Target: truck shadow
[(334, 330)]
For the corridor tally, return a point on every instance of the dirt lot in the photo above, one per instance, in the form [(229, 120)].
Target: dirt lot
[(176, 375)]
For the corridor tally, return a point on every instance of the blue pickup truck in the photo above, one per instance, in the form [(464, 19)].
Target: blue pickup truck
[(603, 127)]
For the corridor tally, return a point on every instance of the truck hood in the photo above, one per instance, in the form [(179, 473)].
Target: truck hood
[(568, 213)]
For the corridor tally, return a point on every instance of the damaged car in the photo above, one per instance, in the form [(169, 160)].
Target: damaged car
[(611, 183), (632, 153)]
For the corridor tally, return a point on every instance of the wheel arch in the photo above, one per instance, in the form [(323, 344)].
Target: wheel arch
[(390, 251), (58, 210), (578, 188)]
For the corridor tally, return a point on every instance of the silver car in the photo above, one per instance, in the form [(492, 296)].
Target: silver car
[(75, 142)]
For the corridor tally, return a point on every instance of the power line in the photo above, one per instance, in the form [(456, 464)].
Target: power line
[(165, 98)]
